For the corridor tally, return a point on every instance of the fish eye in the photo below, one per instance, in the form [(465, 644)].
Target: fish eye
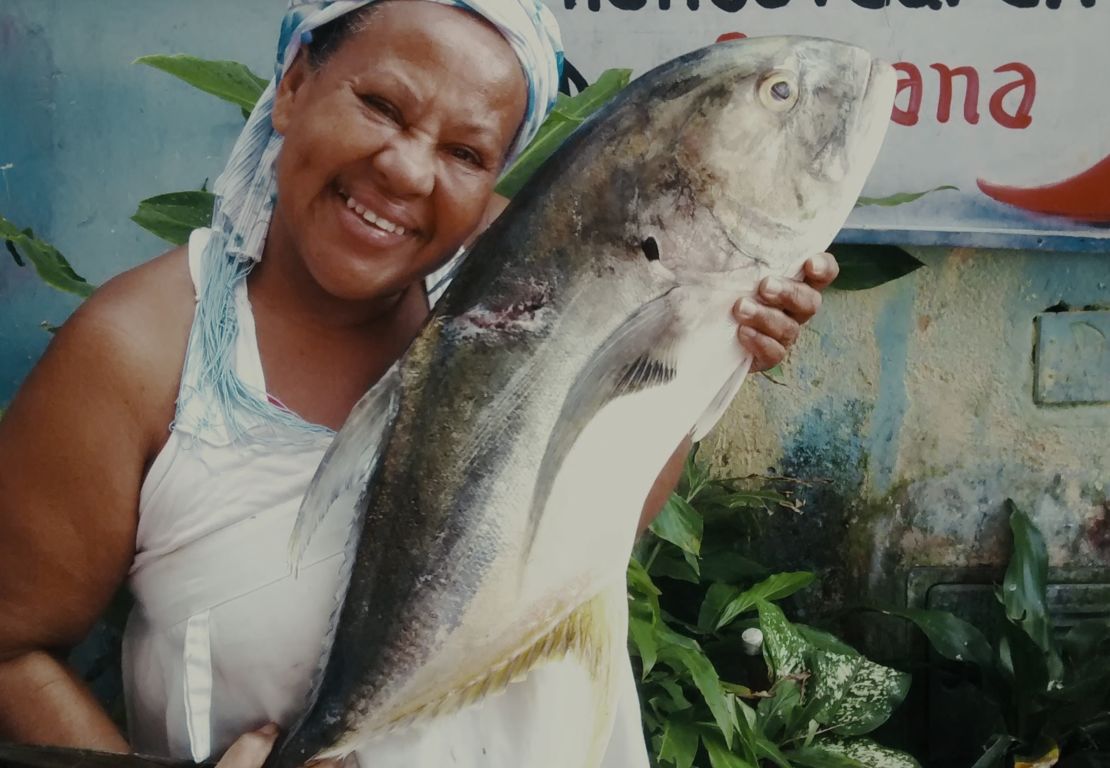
[(778, 91)]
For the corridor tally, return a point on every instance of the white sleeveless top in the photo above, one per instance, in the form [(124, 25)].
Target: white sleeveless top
[(222, 639)]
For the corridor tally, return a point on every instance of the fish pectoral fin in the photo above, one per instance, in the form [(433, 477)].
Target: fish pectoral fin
[(721, 402), (640, 354), (349, 461), (585, 634)]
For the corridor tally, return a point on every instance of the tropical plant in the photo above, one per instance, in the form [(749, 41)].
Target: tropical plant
[(694, 599), (1049, 697)]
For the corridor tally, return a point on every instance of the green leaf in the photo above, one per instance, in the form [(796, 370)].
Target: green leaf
[(854, 695), (568, 114), (780, 711), (50, 265), (683, 653), (720, 755), (819, 757), (1025, 585), (951, 637), (1025, 665), (228, 80), (728, 566), (900, 198), (863, 753), (782, 643), (716, 598), (671, 565), (680, 524), (775, 587), (823, 641), (996, 753), (1086, 639), (864, 266), (173, 216), (642, 633), (679, 743)]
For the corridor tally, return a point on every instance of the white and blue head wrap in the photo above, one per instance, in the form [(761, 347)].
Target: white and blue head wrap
[(246, 192)]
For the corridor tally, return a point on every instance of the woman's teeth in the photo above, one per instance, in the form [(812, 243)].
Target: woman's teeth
[(377, 221)]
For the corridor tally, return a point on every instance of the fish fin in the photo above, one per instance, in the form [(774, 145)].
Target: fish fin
[(721, 402), (349, 460), (584, 633), (639, 355), (24, 756)]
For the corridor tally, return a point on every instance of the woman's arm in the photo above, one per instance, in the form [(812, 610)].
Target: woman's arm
[(73, 447), (767, 329)]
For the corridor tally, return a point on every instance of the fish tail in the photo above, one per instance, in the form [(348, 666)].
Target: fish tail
[(25, 756)]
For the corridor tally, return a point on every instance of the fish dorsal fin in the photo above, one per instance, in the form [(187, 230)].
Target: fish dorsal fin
[(349, 461), (584, 634), (639, 355)]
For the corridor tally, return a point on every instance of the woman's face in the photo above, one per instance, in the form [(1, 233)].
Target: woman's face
[(392, 146)]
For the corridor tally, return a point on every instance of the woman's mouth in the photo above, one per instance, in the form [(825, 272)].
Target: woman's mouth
[(370, 217)]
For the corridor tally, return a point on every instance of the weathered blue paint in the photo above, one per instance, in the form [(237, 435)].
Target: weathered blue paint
[(1073, 357), (893, 326), (85, 135)]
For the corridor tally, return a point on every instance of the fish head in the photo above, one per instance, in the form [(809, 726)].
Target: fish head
[(760, 151)]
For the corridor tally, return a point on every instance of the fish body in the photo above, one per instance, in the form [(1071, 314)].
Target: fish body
[(501, 465), (588, 333)]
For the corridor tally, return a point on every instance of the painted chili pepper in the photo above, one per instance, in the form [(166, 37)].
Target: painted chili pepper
[(1083, 197)]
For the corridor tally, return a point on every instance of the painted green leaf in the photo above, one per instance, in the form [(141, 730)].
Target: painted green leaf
[(951, 637), (569, 113), (679, 743), (864, 266), (228, 80), (1025, 584), (173, 216), (720, 754), (854, 695), (681, 652), (680, 524), (782, 643), (47, 261), (900, 198), (864, 753), (774, 587)]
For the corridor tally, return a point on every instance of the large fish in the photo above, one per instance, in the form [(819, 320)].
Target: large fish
[(504, 460)]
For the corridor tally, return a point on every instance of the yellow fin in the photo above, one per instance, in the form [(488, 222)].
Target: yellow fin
[(583, 633)]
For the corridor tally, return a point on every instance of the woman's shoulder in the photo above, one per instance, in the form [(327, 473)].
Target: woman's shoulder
[(144, 313), (134, 329)]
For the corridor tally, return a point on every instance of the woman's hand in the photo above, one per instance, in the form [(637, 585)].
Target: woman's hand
[(770, 326), (251, 750)]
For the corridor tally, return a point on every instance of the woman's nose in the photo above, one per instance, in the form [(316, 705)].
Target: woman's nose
[(407, 164)]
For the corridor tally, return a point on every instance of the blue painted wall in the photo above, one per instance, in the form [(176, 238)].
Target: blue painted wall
[(85, 135)]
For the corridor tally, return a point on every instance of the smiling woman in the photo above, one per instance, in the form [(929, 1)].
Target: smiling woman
[(212, 378)]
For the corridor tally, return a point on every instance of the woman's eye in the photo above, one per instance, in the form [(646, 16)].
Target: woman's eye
[(379, 104), (467, 155)]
